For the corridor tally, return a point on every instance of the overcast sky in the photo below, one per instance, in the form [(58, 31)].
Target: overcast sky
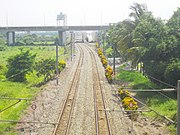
[(79, 12)]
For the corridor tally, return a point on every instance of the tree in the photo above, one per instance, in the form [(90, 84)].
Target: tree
[(137, 11), (121, 34), (19, 65), (148, 40), (173, 25), (150, 36), (172, 71), (2, 44), (46, 68)]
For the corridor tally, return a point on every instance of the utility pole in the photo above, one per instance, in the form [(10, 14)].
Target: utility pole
[(178, 114), (101, 42), (6, 19), (114, 60), (71, 44), (57, 62)]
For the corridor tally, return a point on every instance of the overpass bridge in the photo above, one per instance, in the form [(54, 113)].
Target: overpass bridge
[(61, 29)]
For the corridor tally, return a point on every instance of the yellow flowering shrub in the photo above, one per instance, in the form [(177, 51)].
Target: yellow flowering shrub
[(109, 70), (100, 52), (123, 93), (104, 61), (62, 65), (102, 57), (129, 104), (97, 45), (108, 74)]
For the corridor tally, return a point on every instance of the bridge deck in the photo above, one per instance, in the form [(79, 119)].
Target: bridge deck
[(54, 28)]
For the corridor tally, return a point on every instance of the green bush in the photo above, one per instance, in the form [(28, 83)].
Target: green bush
[(19, 65), (3, 45), (46, 68), (172, 71), (2, 71), (109, 52)]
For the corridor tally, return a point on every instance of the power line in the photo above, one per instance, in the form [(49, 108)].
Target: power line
[(148, 90), (162, 83), (160, 80), (10, 106), (160, 92), (165, 117), (3, 80)]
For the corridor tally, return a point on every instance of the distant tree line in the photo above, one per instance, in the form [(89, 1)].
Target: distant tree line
[(34, 39), (151, 42), (2, 43)]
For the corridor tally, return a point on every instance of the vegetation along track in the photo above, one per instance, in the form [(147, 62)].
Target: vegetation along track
[(101, 116), (65, 114)]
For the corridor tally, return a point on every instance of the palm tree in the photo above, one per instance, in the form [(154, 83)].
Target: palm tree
[(122, 33), (138, 11)]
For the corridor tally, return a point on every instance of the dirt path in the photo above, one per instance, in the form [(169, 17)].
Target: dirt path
[(49, 103)]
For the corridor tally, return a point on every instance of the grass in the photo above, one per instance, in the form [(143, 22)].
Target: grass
[(41, 51), (41, 43), (135, 79), (13, 89), (20, 90), (163, 105)]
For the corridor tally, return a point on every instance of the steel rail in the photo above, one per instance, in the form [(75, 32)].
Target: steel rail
[(96, 111), (65, 105), (68, 125), (96, 72)]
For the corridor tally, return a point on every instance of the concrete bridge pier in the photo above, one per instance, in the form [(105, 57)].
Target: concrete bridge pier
[(62, 37), (11, 38)]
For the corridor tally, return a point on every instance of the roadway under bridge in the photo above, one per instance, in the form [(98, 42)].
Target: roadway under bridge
[(10, 31)]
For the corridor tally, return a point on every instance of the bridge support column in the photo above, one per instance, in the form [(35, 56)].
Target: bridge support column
[(11, 38), (60, 37)]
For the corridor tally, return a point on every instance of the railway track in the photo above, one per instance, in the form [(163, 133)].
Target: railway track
[(102, 125), (64, 118), (101, 116)]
